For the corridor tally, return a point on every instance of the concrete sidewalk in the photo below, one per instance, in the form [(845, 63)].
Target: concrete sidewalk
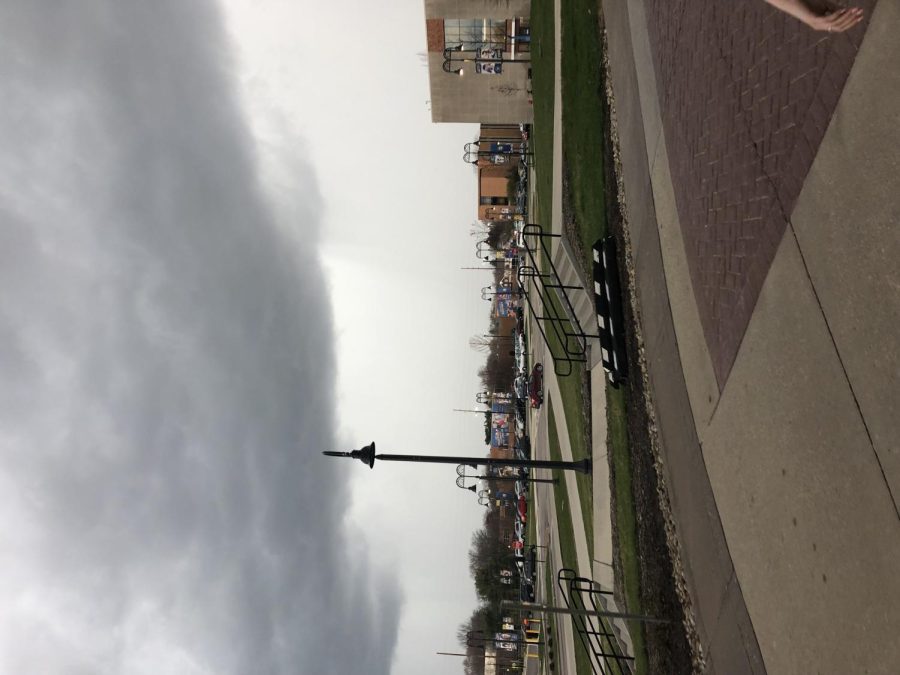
[(777, 427)]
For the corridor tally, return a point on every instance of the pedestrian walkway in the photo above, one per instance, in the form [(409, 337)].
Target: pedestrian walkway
[(759, 163)]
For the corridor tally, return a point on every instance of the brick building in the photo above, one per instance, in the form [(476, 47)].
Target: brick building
[(495, 156), (479, 60)]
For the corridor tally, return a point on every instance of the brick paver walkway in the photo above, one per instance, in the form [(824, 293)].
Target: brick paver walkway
[(746, 94)]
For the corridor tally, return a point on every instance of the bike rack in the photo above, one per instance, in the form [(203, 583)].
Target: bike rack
[(557, 313), (607, 654)]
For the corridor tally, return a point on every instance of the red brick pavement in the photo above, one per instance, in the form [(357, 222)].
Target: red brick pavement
[(746, 95)]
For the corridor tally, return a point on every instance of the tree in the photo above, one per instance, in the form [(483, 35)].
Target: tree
[(480, 343), (488, 556), (498, 372), (500, 233), (484, 620)]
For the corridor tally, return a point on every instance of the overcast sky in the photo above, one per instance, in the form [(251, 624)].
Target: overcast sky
[(230, 238)]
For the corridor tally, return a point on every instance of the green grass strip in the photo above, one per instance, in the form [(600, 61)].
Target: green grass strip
[(543, 72), (583, 98), (565, 531), (625, 519)]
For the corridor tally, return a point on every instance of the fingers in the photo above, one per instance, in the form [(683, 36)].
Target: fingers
[(841, 20)]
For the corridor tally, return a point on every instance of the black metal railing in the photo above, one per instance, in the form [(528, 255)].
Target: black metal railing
[(540, 281), (605, 649)]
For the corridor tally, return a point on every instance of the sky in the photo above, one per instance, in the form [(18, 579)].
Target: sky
[(231, 238)]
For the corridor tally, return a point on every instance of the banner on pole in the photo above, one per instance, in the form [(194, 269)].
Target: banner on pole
[(488, 61)]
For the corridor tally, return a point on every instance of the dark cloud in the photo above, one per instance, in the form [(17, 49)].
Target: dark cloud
[(166, 353)]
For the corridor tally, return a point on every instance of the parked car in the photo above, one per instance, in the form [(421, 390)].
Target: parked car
[(523, 447), (520, 321), (520, 454), (521, 488), (526, 591), (521, 387), (522, 349), (529, 568), (522, 508), (536, 386), (520, 357), (520, 530), (520, 405)]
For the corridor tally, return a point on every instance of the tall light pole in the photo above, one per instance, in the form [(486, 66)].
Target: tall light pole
[(367, 456)]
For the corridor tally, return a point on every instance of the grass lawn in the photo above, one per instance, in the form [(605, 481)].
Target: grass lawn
[(583, 117), (625, 518), (565, 531), (542, 74)]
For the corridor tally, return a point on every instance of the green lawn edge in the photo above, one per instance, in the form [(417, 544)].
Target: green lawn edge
[(565, 530)]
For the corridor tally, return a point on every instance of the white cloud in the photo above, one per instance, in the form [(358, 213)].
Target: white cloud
[(168, 369)]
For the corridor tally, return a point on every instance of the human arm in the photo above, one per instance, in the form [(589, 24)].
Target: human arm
[(835, 21)]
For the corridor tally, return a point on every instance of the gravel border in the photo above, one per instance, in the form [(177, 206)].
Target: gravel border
[(677, 648)]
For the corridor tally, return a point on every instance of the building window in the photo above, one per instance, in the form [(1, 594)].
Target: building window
[(520, 34), (470, 34)]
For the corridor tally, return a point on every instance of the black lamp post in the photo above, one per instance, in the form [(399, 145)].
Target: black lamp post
[(489, 397), (472, 152), (488, 292), (450, 60), (461, 478), (367, 456), (485, 498)]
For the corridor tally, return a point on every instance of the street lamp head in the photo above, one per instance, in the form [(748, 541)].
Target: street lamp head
[(448, 60), (461, 483), (365, 454), (448, 68)]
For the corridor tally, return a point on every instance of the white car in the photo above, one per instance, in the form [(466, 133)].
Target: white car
[(521, 488), (521, 387), (521, 366), (520, 530)]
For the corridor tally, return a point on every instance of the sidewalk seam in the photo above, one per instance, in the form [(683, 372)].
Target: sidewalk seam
[(790, 225), (843, 367)]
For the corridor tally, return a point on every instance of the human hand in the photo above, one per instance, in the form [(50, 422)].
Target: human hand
[(837, 21)]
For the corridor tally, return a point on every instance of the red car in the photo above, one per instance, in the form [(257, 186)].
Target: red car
[(522, 508), (536, 386)]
